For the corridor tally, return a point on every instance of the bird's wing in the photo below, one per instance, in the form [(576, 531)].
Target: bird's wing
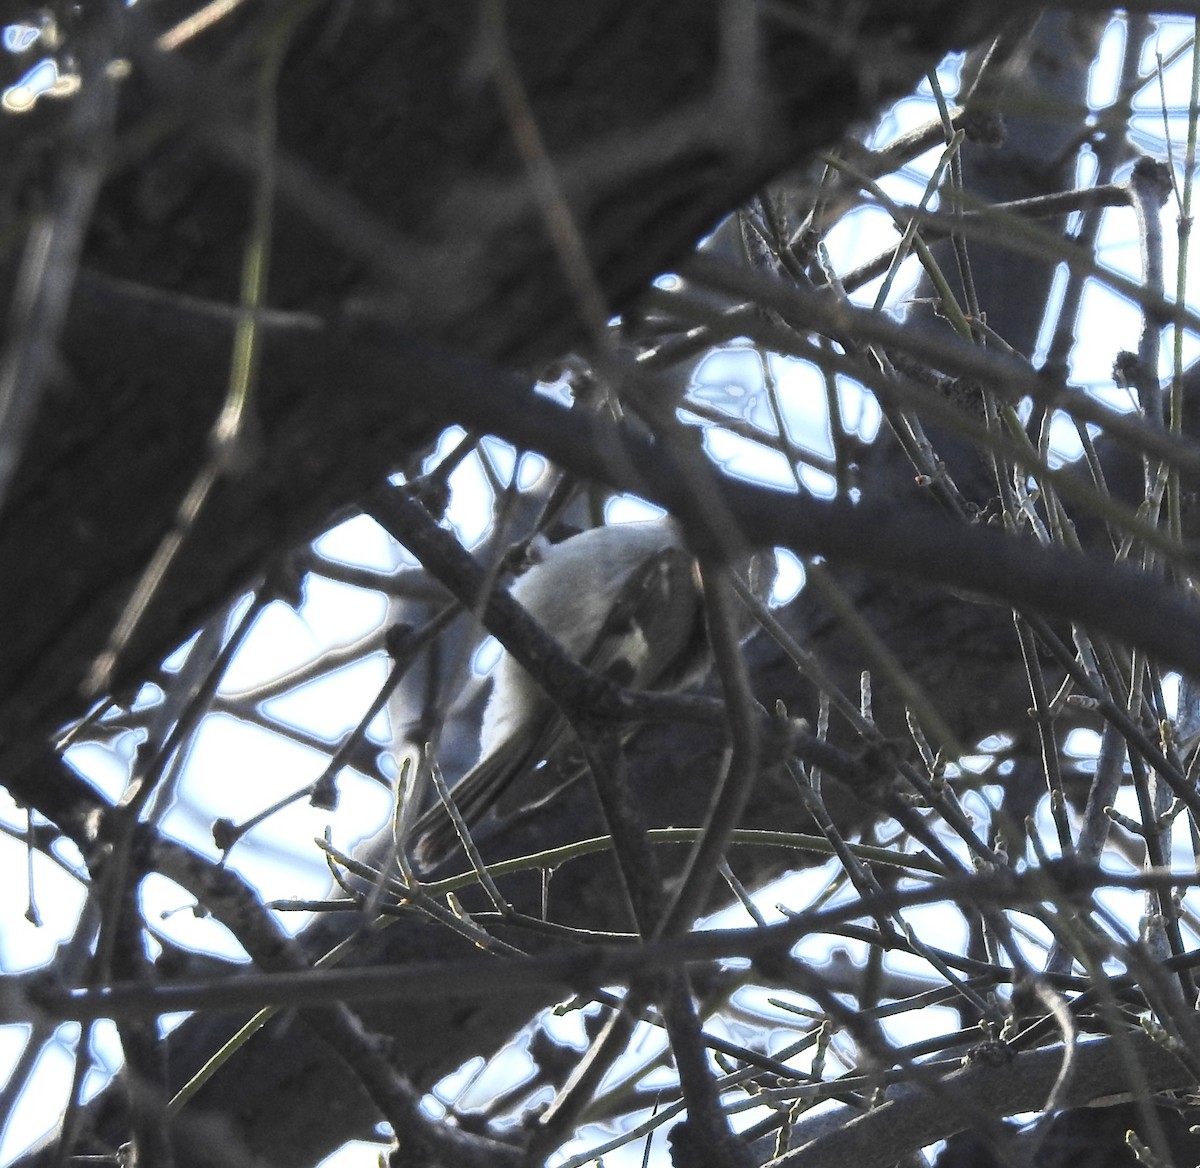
[(654, 636)]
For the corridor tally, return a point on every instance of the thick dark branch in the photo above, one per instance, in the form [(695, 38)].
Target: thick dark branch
[(384, 123), (911, 1119)]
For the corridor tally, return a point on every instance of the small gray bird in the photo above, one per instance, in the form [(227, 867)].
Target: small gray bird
[(623, 600)]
